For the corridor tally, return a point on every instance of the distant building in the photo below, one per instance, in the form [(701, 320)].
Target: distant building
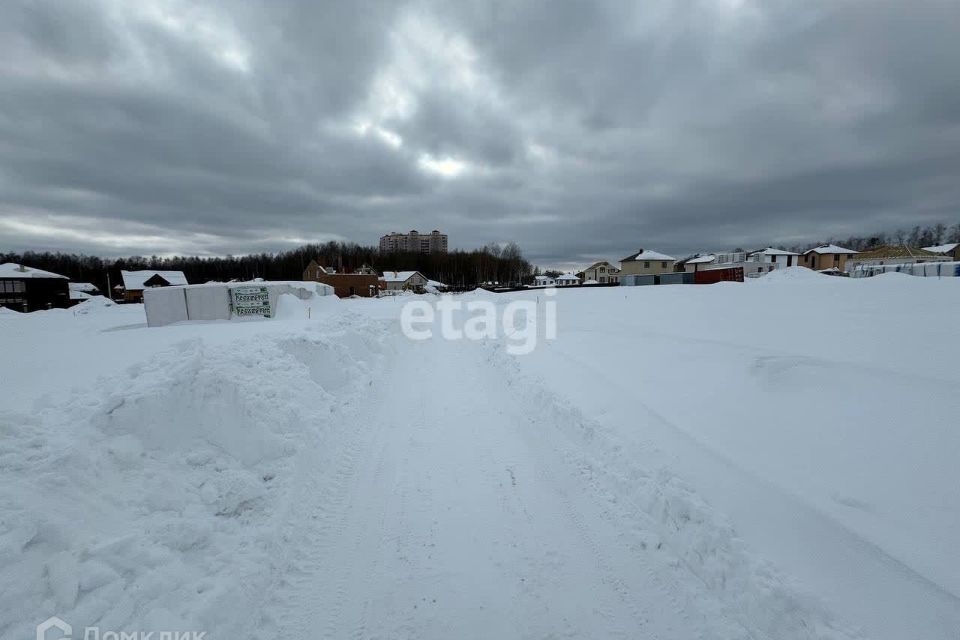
[(766, 260), (347, 285), (887, 255), (646, 262), (775, 257), (827, 256), (544, 281), (364, 283), (404, 281), (692, 264), (602, 272), (568, 280), (951, 250), (314, 269), (134, 282), (25, 289), (414, 242)]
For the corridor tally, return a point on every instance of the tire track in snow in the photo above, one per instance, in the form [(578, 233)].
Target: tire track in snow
[(458, 511)]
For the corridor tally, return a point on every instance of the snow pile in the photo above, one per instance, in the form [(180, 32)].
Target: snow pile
[(792, 274), (94, 304), (152, 502)]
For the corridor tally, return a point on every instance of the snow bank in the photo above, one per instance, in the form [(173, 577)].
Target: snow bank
[(94, 304), (792, 274), (152, 502)]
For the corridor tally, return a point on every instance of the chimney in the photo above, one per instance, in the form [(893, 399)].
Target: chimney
[(22, 269)]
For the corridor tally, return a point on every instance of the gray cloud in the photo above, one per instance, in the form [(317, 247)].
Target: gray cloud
[(581, 130)]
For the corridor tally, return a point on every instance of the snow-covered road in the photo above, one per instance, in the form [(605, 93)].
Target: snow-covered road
[(463, 509), (461, 519)]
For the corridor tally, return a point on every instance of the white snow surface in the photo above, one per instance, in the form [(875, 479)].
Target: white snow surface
[(326, 477)]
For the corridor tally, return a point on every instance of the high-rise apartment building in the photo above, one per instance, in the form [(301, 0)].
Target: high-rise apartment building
[(414, 242)]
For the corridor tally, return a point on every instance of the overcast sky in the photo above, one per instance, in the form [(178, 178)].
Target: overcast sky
[(580, 130)]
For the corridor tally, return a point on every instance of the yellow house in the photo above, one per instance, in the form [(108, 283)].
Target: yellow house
[(827, 256), (646, 262)]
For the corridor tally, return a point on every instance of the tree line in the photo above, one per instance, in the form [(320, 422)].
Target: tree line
[(460, 269)]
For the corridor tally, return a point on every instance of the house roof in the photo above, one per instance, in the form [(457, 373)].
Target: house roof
[(704, 259), (134, 280), (647, 254), (891, 251), (567, 276), (770, 251), (79, 295), (13, 270), (826, 249), (600, 263), (943, 248), (399, 276)]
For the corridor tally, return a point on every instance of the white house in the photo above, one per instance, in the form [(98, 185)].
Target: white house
[(776, 257), (544, 281), (568, 280), (404, 280)]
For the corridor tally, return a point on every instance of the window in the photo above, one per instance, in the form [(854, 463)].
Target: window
[(646, 264), (603, 269), (603, 278), (663, 265), (11, 286)]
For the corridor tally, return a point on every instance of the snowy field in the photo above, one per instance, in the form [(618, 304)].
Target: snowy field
[(775, 459)]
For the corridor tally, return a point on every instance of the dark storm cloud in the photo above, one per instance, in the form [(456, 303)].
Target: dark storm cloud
[(581, 130)]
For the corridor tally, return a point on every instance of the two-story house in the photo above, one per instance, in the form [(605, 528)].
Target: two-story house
[(602, 272), (646, 262)]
